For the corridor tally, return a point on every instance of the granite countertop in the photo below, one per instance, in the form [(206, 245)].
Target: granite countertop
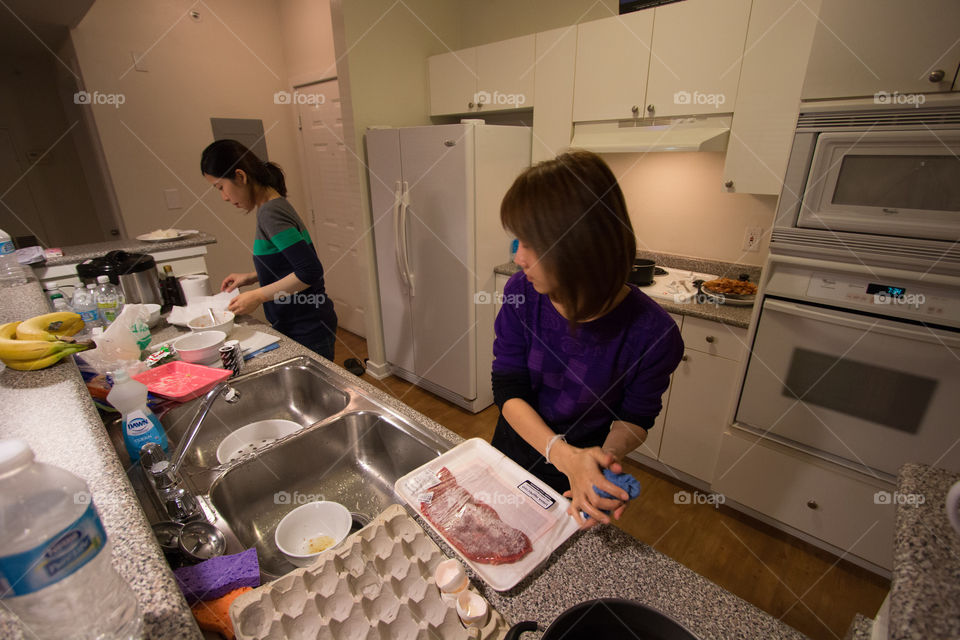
[(925, 585), (732, 315), (79, 253), (52, 410)]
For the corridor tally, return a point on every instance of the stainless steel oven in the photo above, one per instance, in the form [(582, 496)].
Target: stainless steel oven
[(856, 364)]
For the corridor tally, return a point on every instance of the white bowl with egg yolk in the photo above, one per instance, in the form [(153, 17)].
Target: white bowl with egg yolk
[(310, 529)]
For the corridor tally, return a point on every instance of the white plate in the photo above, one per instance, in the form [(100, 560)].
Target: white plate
[(464, 461), (253, 436), (146, 237)]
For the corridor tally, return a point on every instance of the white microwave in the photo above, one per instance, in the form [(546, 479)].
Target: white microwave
[(866, 167)]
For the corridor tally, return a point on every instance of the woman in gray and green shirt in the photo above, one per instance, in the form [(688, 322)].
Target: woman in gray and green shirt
[(287, 267)]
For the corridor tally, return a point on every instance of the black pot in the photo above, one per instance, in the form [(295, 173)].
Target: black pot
[(610, 619), (642, 272)]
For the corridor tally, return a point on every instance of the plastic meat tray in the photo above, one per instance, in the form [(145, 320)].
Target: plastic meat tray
[(181, 381), (376, 585)]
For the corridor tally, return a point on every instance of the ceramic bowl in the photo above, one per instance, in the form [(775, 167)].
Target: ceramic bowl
[(154, 310), (200, 347), (203, 323), (299, 532)]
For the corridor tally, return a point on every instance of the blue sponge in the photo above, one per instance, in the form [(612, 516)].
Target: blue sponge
[(219, 576), (623, 480)]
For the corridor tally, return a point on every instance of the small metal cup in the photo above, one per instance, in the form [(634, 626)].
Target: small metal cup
[(231, 356)]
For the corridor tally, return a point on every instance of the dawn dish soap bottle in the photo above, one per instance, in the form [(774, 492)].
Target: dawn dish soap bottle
[(140, 426)]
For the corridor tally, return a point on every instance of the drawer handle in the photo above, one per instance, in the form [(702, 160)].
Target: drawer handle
[(710, 339), (813, 504)]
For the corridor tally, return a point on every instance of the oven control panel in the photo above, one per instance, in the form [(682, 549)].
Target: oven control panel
[(914, 300)]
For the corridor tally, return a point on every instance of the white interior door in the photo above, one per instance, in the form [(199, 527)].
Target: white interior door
[(335, 220), (438, 166), (18, 211)]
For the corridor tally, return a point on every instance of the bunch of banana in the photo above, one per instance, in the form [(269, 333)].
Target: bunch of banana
[(37, 343)]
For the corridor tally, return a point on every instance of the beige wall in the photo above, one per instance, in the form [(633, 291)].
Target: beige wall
[(493, 20), (229, 64), (676, 206), (307, 40)]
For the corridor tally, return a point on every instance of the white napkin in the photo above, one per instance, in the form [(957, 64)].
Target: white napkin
[(197, 307)]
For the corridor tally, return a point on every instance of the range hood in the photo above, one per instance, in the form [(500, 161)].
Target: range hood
[(707, 133)]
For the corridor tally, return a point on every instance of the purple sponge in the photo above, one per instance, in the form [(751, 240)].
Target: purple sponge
[(219, 576)]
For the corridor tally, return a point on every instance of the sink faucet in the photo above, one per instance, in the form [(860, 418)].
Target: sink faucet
[(230, 395)]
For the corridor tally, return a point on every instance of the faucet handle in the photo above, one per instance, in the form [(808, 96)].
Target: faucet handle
[(151, 454), (162, 477), (181, 505)]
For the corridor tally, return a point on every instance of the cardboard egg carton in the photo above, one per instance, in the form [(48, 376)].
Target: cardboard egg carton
[(377, 585)]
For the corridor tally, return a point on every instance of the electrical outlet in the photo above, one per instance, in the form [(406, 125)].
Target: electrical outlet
[(173, 198), (751, 239)]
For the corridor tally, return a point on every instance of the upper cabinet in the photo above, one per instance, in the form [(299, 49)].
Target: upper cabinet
[(696, 55), (884, 47), (765, 114), (553, 85), (678, 59), (613, 58), (490, 77)]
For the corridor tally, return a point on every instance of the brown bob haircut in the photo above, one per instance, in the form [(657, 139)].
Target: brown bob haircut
[(571, 212)]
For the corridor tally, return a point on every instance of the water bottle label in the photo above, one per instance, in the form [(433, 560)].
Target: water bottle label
[(7, 247), (54, 559), (89, 316)]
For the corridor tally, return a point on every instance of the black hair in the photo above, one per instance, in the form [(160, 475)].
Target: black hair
[(222, 159)]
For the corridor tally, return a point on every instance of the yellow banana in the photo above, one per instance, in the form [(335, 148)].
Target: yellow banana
[(50, 326), (13, 350), (42, 363), (8, 330)]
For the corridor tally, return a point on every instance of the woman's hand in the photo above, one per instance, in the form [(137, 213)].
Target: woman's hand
[(584, 469), (236, 280), (246, 302)]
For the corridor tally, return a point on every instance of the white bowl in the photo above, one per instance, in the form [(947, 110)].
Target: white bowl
[(302, 526), (224, 322), (154, 310), (251, 437), (200, 347)]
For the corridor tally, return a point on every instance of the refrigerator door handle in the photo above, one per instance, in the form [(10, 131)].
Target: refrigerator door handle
[(398, 239), (404, 205)]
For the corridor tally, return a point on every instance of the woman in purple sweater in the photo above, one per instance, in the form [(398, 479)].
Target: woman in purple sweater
[(581, 358)]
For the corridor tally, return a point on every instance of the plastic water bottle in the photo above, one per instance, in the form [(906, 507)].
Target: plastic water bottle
[(140, 426), (55, 570), (11, 272), (109, 300), (85, 303)]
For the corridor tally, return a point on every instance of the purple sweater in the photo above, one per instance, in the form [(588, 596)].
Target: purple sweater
[(614, 368)]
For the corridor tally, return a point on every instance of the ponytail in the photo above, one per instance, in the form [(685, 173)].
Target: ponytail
[(223, 158)]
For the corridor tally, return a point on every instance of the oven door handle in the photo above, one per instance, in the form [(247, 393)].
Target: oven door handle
[(879, 325)]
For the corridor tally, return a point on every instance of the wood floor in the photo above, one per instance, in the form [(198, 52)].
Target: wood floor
[(805, 587)]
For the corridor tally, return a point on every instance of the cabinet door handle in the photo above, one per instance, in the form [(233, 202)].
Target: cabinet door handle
[(684, 357), (813, 504), (728, 184), (936, 75), (471, 105), (710, 339), (635, 109), (651, 109)]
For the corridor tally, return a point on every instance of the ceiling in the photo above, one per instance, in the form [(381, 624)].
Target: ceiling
[(31, 27)]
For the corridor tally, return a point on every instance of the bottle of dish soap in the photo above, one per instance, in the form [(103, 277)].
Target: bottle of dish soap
[(140, 426)]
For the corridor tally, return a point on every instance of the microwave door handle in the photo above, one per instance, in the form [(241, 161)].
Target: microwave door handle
[(397, 237), (404, 206), (886, 327)]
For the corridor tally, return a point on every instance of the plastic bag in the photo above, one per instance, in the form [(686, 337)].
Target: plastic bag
[(120, 344)]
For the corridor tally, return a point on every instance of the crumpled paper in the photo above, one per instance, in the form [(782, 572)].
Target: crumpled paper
[(197, 307)]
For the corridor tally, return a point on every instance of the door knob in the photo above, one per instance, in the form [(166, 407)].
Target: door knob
[(813, 504)]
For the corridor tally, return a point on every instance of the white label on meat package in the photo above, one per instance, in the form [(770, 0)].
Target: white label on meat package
[(423, 480), (536, 494)]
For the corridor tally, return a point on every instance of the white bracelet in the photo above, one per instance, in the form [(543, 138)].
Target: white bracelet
[(553, 441)]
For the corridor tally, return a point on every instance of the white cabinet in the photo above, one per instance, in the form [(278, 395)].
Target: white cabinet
[(556, 53), (703, 389), (612, 62), (678, 59), (651, 446), (765, 115), (492, 77), (696, 55), (850, 511), (865, 47)]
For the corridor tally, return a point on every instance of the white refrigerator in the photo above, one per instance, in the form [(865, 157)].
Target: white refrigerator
[(435, 195)]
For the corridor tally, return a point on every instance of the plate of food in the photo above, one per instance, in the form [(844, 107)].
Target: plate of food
[(499, 518), (728, 291), (166, 235)]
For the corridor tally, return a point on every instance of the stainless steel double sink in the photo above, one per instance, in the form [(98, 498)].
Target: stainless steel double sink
[(351, 449)]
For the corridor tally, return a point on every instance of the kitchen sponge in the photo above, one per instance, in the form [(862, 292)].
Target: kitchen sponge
[(218, 576)]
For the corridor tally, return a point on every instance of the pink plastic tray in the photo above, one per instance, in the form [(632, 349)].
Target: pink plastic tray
[(181, 381)]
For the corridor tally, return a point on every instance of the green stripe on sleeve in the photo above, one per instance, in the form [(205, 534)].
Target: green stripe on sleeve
[(263, 247), (288, 237)]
